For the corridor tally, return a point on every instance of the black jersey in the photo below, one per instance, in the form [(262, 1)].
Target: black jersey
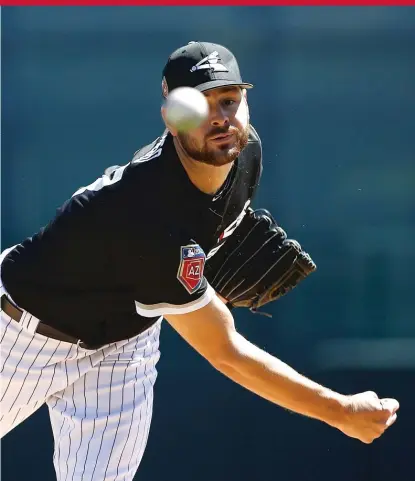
[(130, 247)]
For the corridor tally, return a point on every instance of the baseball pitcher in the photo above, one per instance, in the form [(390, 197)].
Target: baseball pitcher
[(170, 235)]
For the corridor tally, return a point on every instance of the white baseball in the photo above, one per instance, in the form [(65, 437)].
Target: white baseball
[(186, 108)]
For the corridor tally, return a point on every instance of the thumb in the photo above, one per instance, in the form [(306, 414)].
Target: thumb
[(391, 420)]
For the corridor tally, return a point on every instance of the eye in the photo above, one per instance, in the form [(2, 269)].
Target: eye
[(229, 102)]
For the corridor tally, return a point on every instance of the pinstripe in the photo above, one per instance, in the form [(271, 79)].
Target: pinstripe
[(17, 365), (8, 355), (135, 411), (141, 408), (18, 411), (126, 380), (33, 409), (94, 420), (27, 373), (23, 319), (82, 420), (59, 420), (149, 403), (138, 451), (29, 322), (132, 415), (56, 402), (147, 420), (53, 377), (72, 418), (41, 371), (149, 413), (149, 396), (119, 417), (58, 453), (5, 329), (124, 419), (37, 404), (51, 381), (33, 323), (106, 422)]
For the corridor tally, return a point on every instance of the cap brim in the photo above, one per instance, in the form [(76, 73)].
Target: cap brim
[(214, 84)]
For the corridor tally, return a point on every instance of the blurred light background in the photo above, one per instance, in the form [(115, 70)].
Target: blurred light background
[(334, 104)]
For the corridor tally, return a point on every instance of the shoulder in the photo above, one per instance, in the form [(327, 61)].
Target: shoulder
[(119, 179), (153, 150)]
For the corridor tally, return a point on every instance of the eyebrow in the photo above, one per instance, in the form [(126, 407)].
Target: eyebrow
[(224, 90)]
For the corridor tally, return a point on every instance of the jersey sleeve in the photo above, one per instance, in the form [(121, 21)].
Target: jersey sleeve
[(172, 279)]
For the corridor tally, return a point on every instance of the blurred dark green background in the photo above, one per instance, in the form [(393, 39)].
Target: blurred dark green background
[(334, 104)]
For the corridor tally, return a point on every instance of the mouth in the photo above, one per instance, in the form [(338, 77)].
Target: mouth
[(222, 137)]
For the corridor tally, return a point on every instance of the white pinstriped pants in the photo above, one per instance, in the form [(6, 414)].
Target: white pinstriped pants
[(100, 402)]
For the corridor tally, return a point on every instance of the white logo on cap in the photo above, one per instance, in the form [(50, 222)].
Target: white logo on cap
[(210, 62)]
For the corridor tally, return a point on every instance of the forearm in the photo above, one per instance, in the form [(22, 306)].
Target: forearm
[(277, 382), (211, 331)]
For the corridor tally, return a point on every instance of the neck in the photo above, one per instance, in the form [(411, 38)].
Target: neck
[(207, 178)]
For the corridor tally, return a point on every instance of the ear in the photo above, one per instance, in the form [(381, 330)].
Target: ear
[(171, 129)]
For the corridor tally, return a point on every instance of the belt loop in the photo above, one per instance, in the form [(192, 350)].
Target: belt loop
[(29, 322)]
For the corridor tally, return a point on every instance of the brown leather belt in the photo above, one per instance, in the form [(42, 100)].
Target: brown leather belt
[(16, 314)]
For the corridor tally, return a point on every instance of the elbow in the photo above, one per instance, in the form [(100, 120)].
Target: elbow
[(227, 356)]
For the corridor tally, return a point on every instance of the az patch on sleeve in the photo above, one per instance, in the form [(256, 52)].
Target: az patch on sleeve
[(192, 263)]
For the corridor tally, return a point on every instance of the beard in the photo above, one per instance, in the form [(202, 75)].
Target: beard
[(219, 155)]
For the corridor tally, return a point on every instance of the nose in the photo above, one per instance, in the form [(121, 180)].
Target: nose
[(219, 117)]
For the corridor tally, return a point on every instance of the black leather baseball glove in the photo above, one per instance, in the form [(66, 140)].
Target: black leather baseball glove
[(258, 263)]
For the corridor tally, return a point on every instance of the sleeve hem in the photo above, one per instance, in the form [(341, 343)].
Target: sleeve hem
[(163, 308)]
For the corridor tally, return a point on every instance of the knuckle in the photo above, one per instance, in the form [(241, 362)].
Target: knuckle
[(376, 435)]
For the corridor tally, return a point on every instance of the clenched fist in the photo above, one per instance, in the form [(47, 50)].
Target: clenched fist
[(367, 417)]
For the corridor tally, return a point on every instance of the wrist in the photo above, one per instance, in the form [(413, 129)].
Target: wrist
[(336, 408)]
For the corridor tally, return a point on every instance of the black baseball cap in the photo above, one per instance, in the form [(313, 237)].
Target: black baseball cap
[(203, 66)]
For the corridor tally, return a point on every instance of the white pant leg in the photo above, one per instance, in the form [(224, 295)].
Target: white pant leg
[(34, 367), (101, 422), (29, 366), (30, 370)]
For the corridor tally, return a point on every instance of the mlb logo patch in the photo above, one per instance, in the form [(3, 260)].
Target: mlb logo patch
[(192, 263)]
